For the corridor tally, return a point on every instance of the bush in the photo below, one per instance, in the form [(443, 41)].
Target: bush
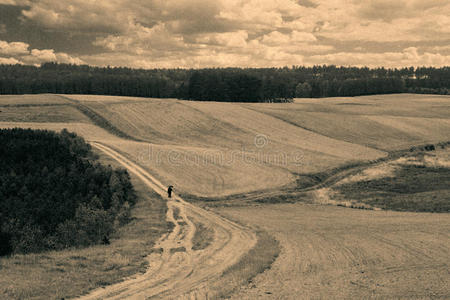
[(54, 195)]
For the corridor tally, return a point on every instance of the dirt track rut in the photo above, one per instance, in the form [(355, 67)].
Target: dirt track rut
[(175, 270)]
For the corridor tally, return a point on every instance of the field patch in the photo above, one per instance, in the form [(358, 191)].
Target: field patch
[(201, 171), (39, 99), (350, 254), (41, 113), (215, 149), (88, 131), (103, 98), (418, 182)]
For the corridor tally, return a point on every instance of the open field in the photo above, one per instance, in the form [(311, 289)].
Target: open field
[(308, 136), (209, 150), (386, 122), (341, 253), (42, 113), (27, 100), (217, 149), (88, 131)]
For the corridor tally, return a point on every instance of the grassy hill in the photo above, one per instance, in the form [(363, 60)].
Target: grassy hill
[(216, 149)]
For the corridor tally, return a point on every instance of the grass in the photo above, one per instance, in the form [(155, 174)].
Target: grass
[(99, 120), (176, 213), (41, 113), (203, 236), (39, 99), (216, 142), (254, 262), (72, 272), (213, 144), (414, 188), (303, 190), (179, 249)]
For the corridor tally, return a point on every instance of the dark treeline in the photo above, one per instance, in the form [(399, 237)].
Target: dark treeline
[(224, 84), (53, 194)]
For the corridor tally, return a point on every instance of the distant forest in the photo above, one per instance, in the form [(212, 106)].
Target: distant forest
[(223, 84), (53, 195)]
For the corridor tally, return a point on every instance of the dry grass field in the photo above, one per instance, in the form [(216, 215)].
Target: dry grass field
[(386, 122), (341, 253), (88, 131), (39, 108), (262, 146), (27, 100), (223, 150)]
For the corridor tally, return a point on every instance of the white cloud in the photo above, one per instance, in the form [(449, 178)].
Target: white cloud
[(227, 39), (9, 61), (19, 52), (46, 55), (14, 48)]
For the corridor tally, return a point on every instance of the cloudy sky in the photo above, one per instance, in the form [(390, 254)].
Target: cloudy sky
[(220, 33)]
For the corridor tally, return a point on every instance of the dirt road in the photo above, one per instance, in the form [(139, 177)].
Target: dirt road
[(175, 270)]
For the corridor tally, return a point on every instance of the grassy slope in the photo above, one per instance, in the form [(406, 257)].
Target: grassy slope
[(59, 113), (417, 182), (68, 273), (387, 122), (311, 135), (40, 99)]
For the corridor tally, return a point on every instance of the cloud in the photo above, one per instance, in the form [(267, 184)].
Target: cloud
[(14, 48), (7, 2), (237, 39), (19, 53), (389, 10), (9, 61), (191, 33), (277, 38), (407, 57)]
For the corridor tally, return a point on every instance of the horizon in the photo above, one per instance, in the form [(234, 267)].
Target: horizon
[(226, 34), (292, 67)]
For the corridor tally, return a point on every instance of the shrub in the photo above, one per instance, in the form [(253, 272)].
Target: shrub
[(53, 194)]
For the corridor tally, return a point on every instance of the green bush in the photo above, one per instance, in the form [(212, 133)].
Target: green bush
[(54, 195)]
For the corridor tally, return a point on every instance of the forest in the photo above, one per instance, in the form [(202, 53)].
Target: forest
[(54, 195), (223, 84)]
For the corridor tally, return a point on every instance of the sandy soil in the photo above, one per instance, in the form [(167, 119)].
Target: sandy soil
[(332, 252), (177, 271)]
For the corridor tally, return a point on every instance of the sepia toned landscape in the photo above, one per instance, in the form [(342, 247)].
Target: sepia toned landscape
[(224, 149), (284, 199)]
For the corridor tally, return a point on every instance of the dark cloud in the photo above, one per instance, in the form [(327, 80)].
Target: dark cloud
[(17, 28), (196, 33)]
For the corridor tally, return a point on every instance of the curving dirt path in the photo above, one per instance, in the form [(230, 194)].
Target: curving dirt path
[(175, 270)]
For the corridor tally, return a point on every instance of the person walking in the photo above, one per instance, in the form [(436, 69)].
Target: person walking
[(169, 191)]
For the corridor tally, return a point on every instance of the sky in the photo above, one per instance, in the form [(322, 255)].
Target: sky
[(226, 33)]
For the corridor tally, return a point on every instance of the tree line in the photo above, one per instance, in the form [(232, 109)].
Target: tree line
[(54, 195), (223, 84)]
